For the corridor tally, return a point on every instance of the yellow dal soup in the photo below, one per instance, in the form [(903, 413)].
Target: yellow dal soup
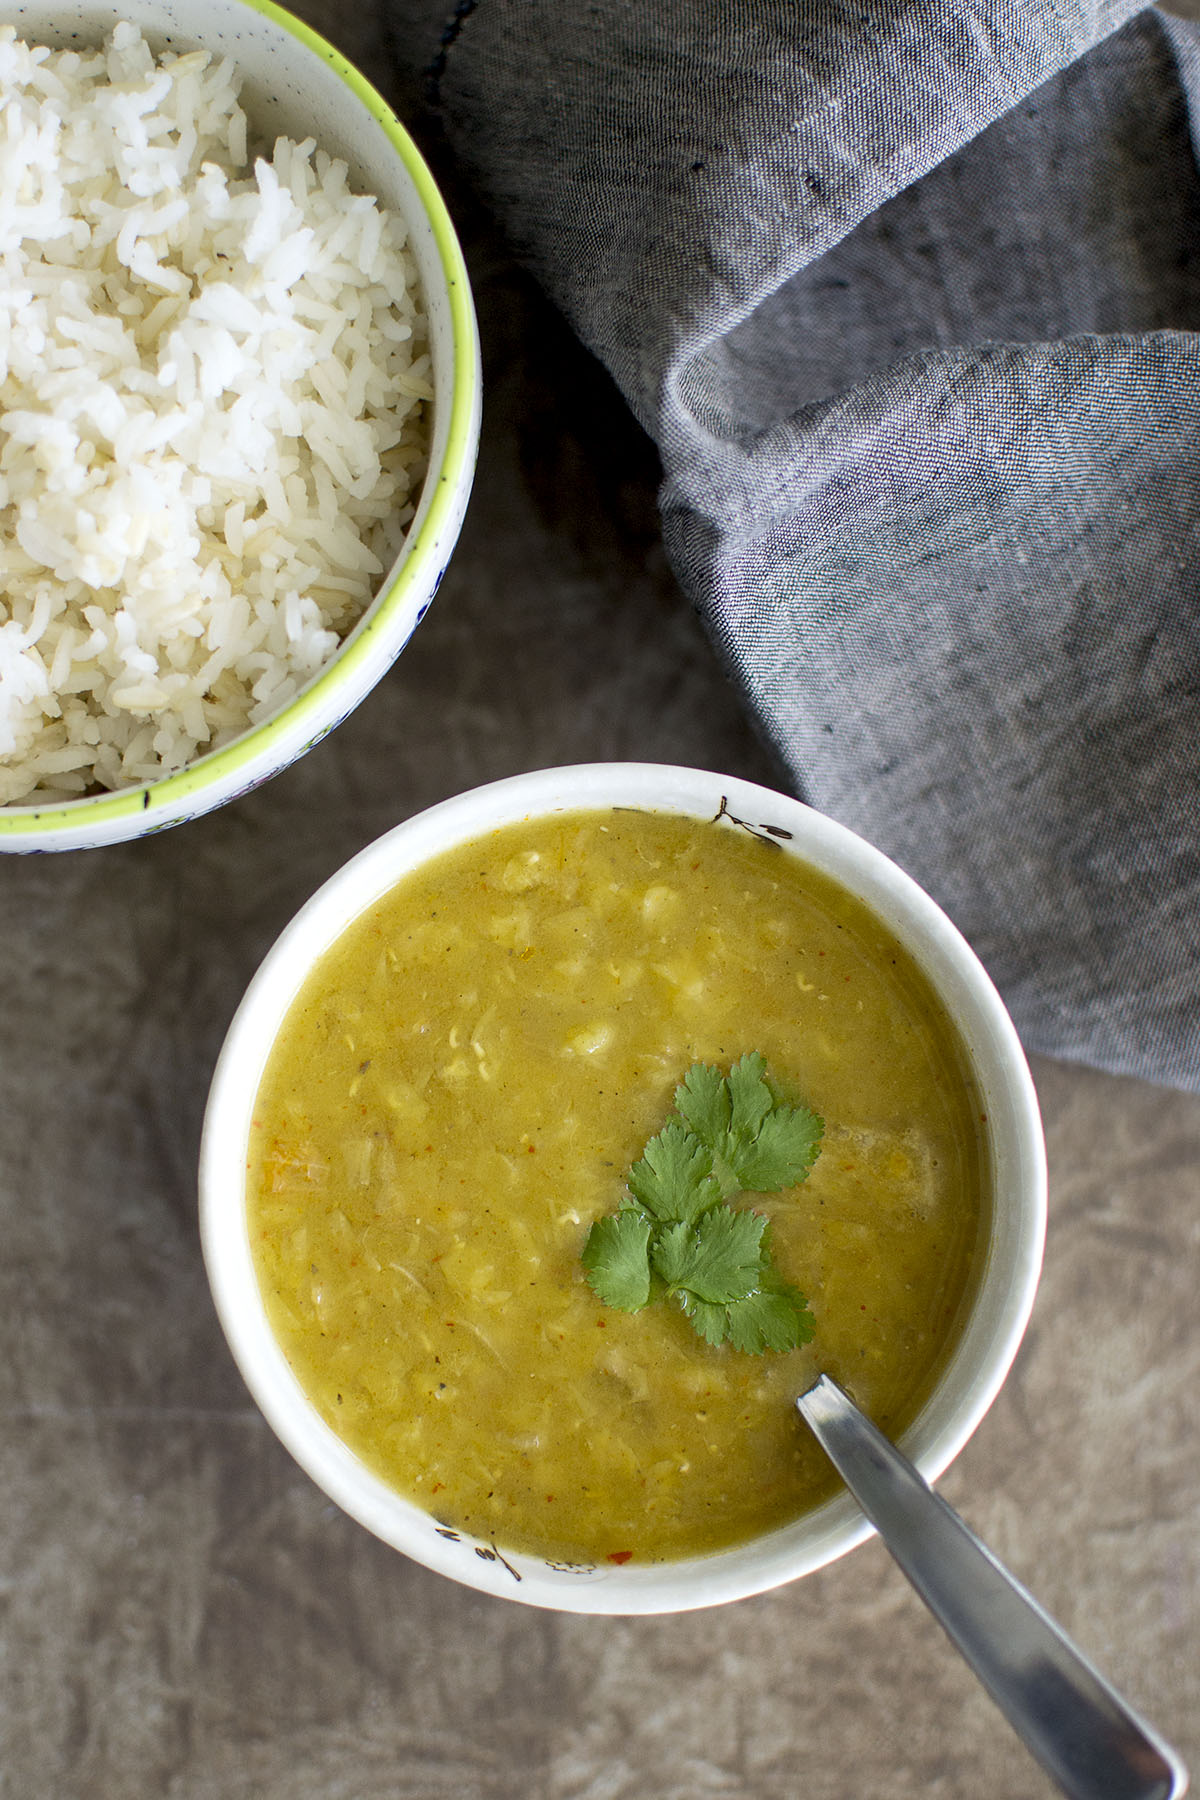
[(460, 1090)]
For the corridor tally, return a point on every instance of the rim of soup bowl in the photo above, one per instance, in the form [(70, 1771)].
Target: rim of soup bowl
[(296, 82), (1004, 1293)]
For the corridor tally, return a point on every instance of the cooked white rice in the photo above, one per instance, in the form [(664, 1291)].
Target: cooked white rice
[(212, 430)]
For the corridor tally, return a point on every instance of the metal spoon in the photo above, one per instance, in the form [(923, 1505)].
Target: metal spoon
[(1084, 1735)]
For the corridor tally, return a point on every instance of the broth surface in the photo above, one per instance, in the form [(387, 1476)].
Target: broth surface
[(461, 1088)]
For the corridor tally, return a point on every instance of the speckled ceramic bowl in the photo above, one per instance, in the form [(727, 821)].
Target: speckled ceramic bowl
[(296, 84), (1003, 1297)]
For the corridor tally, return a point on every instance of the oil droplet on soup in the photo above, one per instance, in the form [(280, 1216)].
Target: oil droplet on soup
[(461, 1088)]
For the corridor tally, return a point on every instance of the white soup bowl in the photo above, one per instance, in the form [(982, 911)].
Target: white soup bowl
[(1004, 1289)]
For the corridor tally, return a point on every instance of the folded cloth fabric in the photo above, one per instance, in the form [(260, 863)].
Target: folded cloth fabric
[(908, 295)]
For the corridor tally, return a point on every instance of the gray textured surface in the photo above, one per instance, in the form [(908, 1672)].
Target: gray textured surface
[(183, 1614)]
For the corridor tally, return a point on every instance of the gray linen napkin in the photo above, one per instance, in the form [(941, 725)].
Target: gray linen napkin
[(908, 296)]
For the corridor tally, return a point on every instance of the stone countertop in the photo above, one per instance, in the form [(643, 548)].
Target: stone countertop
[(185, 1614)]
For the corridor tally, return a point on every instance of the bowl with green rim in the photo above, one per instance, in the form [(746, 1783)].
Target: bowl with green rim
[(294, 84)]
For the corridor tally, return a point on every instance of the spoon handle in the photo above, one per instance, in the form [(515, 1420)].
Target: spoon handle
[(1079, 1729)]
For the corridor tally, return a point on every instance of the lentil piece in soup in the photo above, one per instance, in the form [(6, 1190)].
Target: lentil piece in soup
[(460, 1089)]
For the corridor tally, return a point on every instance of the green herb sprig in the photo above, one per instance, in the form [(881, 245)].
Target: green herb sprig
[(676, 1237)]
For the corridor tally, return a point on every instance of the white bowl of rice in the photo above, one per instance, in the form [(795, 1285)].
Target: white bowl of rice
[(239, 406)]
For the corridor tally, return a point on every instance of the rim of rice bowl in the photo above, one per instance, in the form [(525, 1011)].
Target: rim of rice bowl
[(406, 589)]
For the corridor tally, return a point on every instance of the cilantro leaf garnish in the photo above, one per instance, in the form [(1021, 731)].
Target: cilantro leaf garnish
[(711, 1321), (783, 1151), (703, 1100), (775, 1318), (758, 1144), (675, 1235), (673, 1178), (718, 1259), (617, 1259)]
